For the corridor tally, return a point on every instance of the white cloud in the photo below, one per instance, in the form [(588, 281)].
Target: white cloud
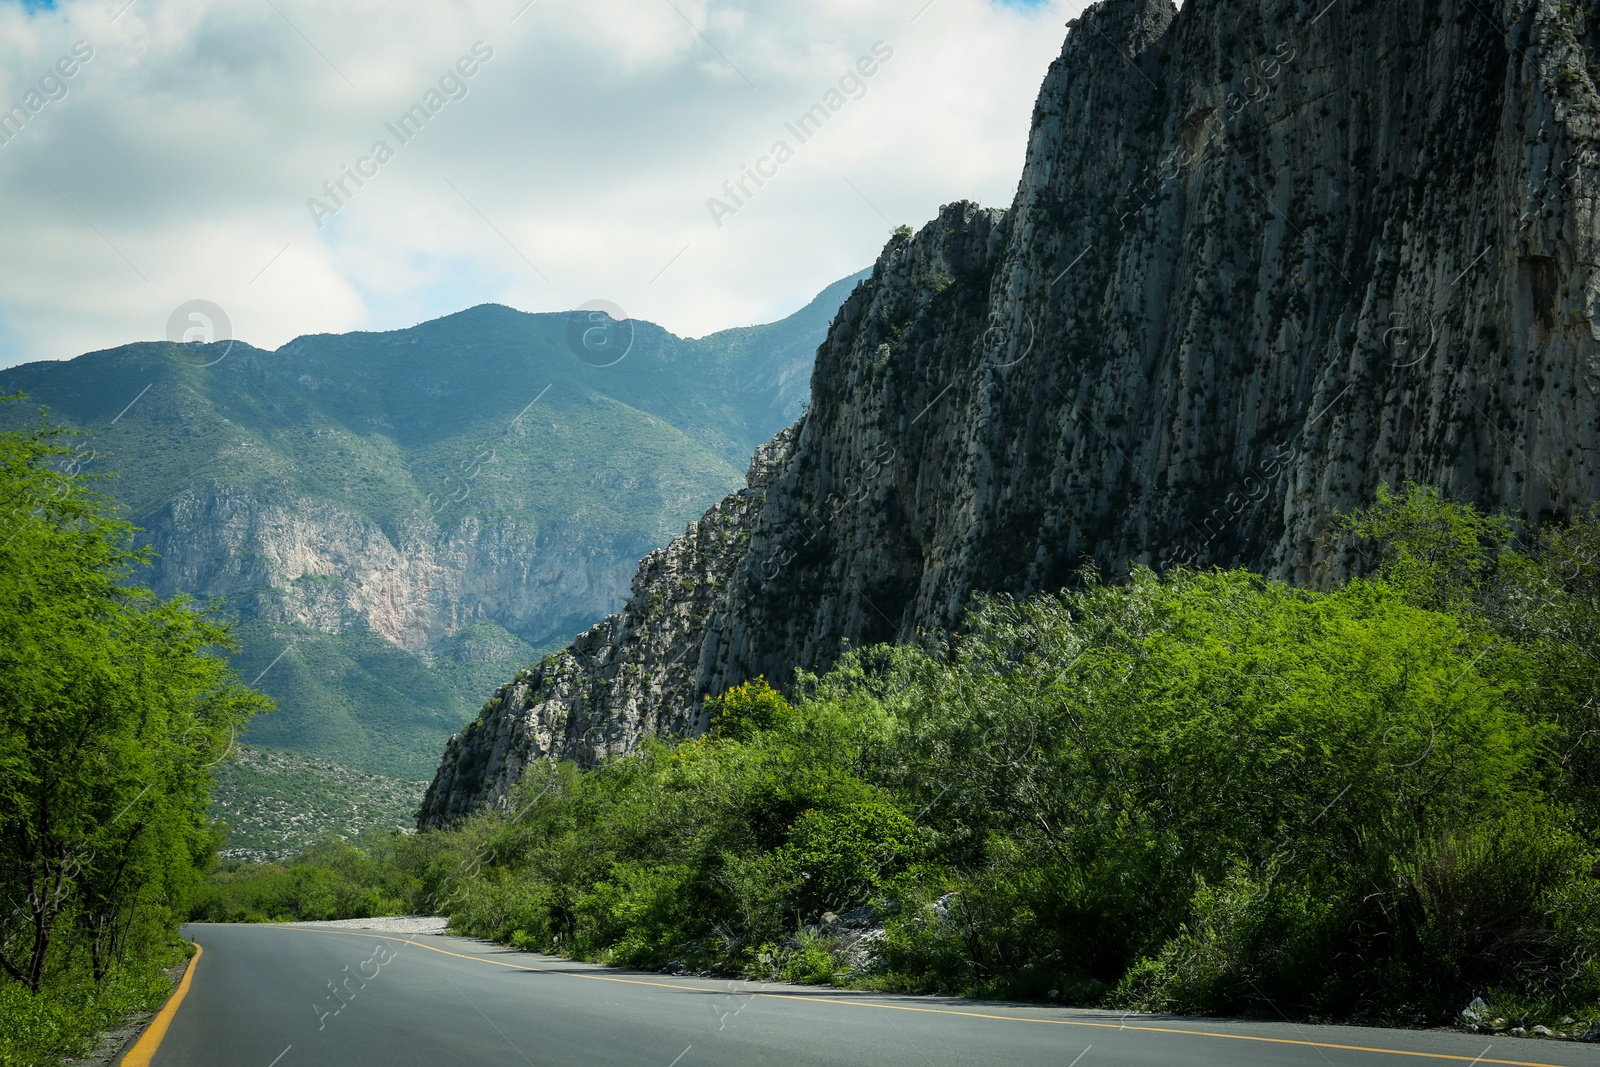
[(179, 161)]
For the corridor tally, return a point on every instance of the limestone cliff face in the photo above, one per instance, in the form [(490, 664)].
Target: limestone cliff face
[(305, 560), (1259, 262), (1263, 257)]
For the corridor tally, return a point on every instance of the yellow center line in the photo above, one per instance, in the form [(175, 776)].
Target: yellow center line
[(808, 999), (139, 1055)]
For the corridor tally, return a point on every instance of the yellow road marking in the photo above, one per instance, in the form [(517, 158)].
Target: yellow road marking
[(1168, 1030), (139, 1055), (938, 1011)]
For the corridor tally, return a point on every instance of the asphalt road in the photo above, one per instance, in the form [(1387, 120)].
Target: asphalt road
[(283, 997)]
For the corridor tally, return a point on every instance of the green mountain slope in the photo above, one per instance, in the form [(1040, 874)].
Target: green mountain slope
[(400, 521)]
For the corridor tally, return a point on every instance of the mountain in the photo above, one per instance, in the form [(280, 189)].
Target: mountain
[(1263, 257), (401, 520)]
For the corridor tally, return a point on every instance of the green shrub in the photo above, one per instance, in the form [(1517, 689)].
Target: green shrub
[(746, 710), (841, 853), (1252, 933), (66, 1018), (810, 962)]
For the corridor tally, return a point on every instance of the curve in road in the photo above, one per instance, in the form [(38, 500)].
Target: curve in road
[(285, 996)]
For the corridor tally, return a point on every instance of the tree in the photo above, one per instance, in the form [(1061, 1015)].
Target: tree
[(1539, 593), (114, 704)]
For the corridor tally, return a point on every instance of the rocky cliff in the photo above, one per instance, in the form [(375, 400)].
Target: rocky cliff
[(297, 559), (1264, 256)]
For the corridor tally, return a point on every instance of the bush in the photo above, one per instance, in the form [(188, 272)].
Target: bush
[(746, 710), (1252, 933), (335, 880), (841, 854)]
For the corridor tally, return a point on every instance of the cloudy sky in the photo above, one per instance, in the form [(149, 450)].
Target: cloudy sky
[(568, 153)]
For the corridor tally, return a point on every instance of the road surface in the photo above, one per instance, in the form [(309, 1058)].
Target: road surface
[(273, 996)]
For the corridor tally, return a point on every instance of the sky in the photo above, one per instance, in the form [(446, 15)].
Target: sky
[(252, 154)]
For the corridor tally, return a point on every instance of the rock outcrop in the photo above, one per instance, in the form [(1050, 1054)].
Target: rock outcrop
[(1265, 255)]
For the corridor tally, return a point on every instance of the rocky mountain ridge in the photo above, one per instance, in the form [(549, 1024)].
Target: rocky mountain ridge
[(1264, 256)]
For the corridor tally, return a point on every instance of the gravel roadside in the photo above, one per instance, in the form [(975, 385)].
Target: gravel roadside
[(392, 924)]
